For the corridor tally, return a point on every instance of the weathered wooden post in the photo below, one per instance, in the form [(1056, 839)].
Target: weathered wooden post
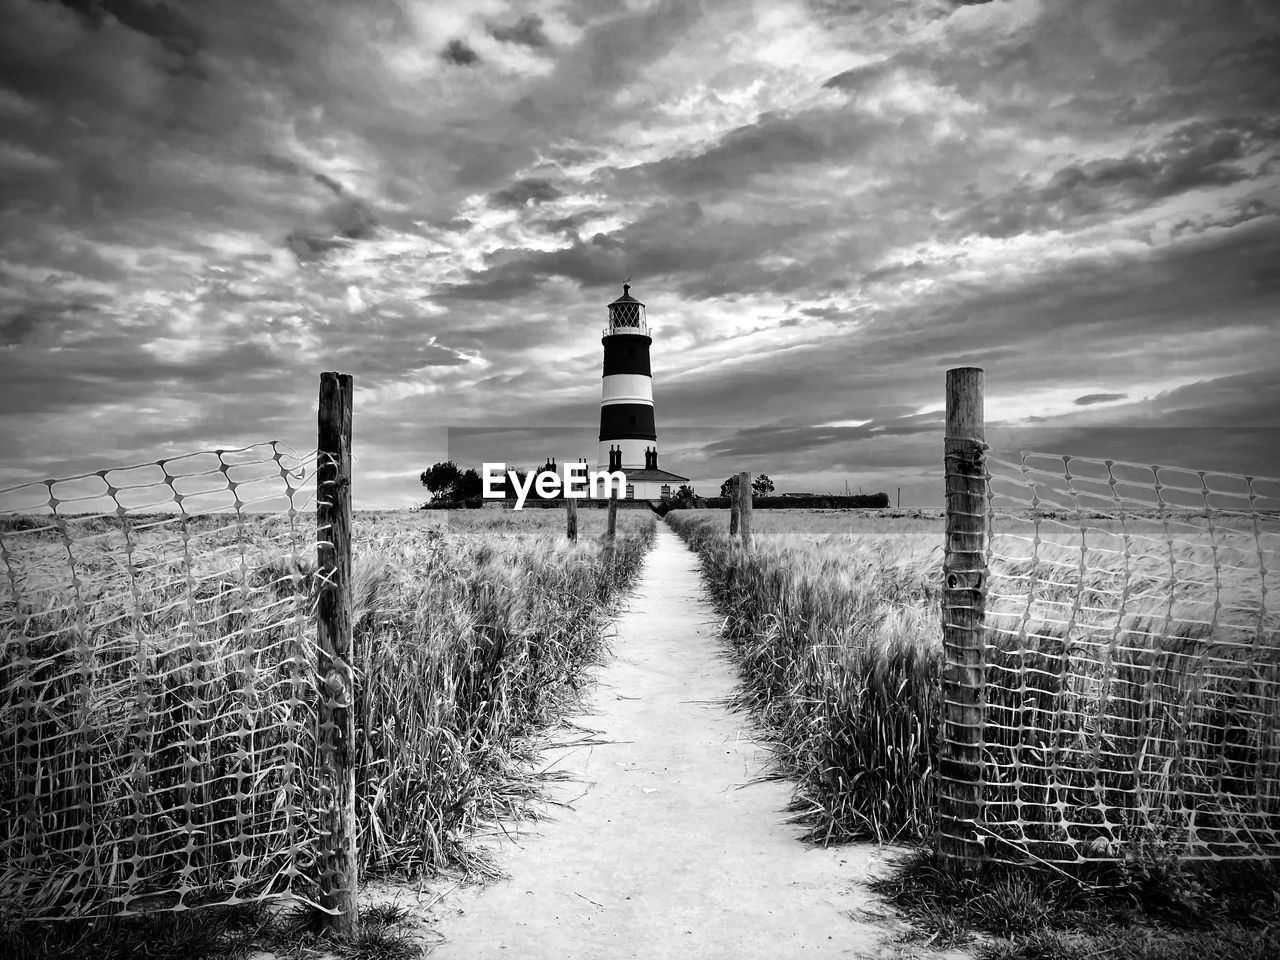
[(336, 732), (571, 519), (744, 510), (964, 568), (612, 530), (733, 511)]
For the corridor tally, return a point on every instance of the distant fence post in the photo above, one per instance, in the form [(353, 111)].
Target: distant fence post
[(964, 568), (571, 519), (744, 510), (336, 734), (612, 530)]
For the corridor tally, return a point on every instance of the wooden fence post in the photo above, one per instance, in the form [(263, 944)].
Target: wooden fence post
[(733, 512), (964, 568), (612, 529), (336, 733), (571, 519), (744, 510)]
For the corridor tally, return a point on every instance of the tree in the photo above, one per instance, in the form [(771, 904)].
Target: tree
[(449, 483), (685, 494), (467, 486), (439, 478), (760, 486)]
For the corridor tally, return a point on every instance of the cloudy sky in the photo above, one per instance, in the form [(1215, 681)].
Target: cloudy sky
[(824, 204)]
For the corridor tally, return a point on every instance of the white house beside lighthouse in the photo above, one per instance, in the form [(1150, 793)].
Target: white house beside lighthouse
[(628, 432)]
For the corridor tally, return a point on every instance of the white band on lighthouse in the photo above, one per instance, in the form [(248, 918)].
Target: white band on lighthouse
[(627, 388)]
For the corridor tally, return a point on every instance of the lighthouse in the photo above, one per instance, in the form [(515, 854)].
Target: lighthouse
[(628, 431)]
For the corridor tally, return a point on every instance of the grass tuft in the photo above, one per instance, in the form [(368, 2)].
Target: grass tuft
[(213, 933), (1035, 914)]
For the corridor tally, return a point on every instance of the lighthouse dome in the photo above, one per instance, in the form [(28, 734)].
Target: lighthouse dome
[(626, 314), (626, 296)]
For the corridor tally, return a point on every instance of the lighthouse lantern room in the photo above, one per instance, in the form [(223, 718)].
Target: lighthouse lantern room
[(628, 431)]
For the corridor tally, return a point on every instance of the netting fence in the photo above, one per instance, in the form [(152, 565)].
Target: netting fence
[(1126, 702), (158, 686)]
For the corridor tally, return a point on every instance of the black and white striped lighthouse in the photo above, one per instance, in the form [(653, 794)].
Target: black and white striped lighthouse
[(628, 432)]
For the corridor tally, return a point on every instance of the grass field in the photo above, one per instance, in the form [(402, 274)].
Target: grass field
[(837, 622), (159, 724), (1134, 739)]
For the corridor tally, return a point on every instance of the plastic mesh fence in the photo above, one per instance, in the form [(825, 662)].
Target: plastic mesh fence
[(1131, 696), (157, 695)]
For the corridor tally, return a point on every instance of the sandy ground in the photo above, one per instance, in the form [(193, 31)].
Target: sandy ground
[(665, 848)]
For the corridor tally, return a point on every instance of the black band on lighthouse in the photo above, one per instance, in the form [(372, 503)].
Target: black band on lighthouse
[(627, 421), (626, 353)]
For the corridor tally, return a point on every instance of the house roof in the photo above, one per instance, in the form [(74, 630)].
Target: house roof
[(653, 475)]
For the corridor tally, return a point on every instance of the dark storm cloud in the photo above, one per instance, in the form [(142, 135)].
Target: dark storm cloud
[(459, 52), (612, 53), (110, 369), (1244, 399), (859, 77), (340, 224), (331, 183), (569, 225), (896, 271), (1240, 213), (527, 31), (1142, 301), (43, 322), (163, 21), (1092, 398), (774, 143), (64, 256), (1197, 155), (531, 190), (702, 257), (18, 326)]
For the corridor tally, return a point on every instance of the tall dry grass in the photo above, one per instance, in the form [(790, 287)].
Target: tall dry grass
[(470, 637), (1132, 699), (157, 714), (837, 637)]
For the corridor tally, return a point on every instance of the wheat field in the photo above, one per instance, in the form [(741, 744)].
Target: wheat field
[(157, 694), (1132, 681)]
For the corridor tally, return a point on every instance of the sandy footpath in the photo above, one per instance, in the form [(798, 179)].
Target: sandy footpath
[(663, 852)]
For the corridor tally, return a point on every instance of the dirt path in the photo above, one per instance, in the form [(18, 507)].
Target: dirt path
[(662, 854)]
